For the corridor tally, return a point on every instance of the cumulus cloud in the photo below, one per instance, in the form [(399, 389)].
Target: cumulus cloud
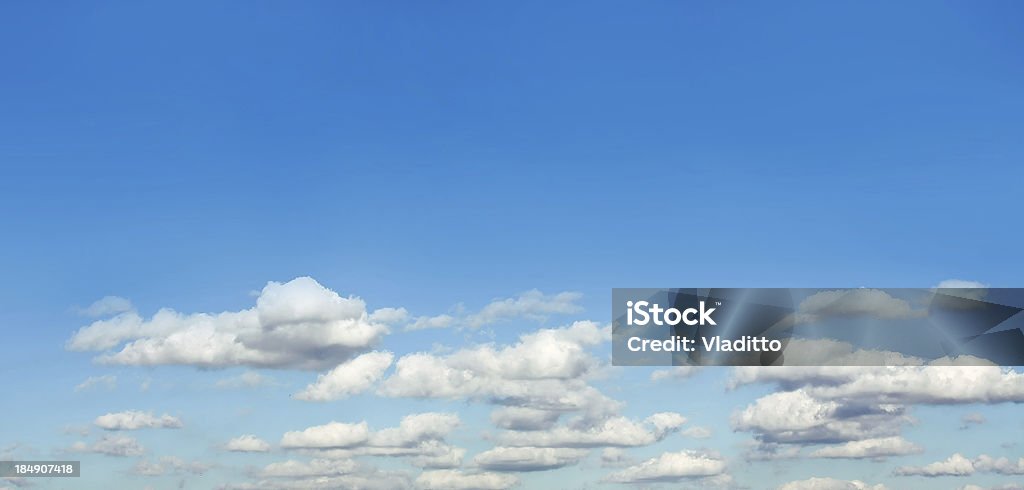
[(107, 381), (869, 448), (528, 458), (120, 446), (418, 437), (298, 324), (614, 431), (798, 417), (134, 419), (960, 465), (545, 370), (671, 467), (247, 443), (677, 372), (829, 484), (458, 480), (523, 418), (349, 378)]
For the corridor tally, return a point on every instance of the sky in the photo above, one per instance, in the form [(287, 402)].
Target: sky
[(236, 232)]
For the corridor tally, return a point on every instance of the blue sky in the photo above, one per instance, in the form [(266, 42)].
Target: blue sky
[(430, 155)]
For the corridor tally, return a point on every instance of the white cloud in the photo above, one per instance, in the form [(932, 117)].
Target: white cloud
[(614, 431), (389, 316), (531, 304), (856, 302), (134, 419), (331, 435), (107, 381), (612, 457), (797, 417), (830, 484), (869, 448), (528, 458), (298, 324), (120, 446), (349, 378), (955, 465), (458, 480), (247, 443), (544, 371), (314, 468), (970, 419), (671, 467), (108, 305), (425, 322)]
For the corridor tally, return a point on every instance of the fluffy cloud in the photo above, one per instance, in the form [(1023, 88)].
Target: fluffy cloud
[(869, 448), (107, 381), (960, 465), (671, 467), (348, 378), (111, 446), (829, 484), (677, 372), (133, 420), (955, 465), (528, 458), (614, 431), (419, 437), (797, 417), (298, 324), (316, 467), (247, 444), (544, 371), (458, 480)]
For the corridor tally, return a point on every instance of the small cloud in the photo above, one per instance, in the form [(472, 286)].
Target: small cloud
[(134, 420), (107, 381), (972, 419), (107, 306), (247, 444)]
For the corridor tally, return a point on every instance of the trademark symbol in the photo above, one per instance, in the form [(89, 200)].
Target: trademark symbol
[(718, 303)]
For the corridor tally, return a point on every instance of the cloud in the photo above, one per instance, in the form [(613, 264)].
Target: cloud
[(614, 431), (170, 465), (247, 444), (671, 467), (389, 316), (458, 480), (313, 468), (298, 324), (829, 484), (798, 417), (955, 465), (532, 305), (856, 302), (523, 418), (613, 457), (133, 420), (970, 419), (869, 448), (106, 306), (349, 378), (120, 446), (677, 372), (543, 371), (419, 437), (528, 458), (248, 379), (107, 381)]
